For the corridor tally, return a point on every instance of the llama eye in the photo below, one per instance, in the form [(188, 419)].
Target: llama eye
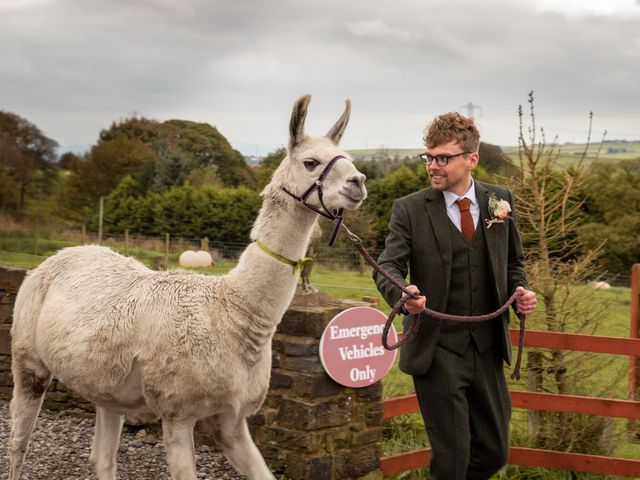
[(311, 164)]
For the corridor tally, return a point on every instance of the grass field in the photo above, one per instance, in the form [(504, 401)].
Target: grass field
[(570, 153), (407, 433)]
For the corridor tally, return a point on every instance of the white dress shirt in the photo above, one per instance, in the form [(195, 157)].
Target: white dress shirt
[(454, 211)]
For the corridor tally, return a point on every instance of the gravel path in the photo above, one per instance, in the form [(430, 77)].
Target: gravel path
[(60, 447)]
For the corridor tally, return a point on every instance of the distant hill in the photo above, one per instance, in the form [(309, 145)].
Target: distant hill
[(495, 157), (570, 153)]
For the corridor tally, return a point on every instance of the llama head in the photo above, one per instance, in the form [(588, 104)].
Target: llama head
[(343, 186)]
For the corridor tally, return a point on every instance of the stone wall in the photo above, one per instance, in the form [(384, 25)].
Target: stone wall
[(309, 428)]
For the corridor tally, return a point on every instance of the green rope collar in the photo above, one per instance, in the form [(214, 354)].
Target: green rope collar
[(297, 265)]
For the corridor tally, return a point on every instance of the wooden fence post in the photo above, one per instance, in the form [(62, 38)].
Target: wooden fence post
[(100, 220), (126, 241), (166, 249), (633, 427)]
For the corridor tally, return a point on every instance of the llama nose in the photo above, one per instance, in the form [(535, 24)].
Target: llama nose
[(358, 179)]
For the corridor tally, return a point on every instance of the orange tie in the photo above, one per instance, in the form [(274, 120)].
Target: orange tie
[(466, 220)]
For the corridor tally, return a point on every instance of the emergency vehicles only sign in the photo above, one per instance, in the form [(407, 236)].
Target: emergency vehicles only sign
[(351, 348)]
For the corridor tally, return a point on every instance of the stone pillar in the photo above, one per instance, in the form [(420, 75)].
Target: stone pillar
[(10, 281), (310, 427)]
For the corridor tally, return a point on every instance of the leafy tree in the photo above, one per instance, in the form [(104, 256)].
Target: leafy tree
[(407, 179), (223, 214), (102, 169), (268, 165), (493, 160), (24, 150), (613, 211), (159, 156), (210, 147), (69, 161)]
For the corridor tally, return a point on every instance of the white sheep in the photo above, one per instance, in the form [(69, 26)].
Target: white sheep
[(175, 345)]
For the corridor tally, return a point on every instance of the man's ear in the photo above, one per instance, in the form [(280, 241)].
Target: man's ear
[(474, 159)]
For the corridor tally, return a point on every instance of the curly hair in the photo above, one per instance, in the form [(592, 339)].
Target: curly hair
[(452, 126)]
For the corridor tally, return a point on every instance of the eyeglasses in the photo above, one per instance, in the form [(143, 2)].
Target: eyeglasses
[(441, 160)]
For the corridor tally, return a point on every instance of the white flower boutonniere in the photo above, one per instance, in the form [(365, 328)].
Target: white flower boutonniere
[(498, 209)]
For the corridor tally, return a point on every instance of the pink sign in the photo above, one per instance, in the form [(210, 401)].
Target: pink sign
[(351, 348)]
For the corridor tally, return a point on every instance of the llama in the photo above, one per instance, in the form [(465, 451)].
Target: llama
[(174, 345)]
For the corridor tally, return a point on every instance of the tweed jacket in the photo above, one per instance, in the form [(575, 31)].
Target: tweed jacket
[(419, 247)]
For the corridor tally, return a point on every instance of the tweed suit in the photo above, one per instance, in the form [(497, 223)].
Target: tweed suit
[(420, 246)]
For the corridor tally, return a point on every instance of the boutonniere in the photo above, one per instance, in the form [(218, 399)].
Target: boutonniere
[(498, 210)]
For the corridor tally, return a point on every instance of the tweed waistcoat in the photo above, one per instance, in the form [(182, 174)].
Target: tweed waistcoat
[(470, 293)]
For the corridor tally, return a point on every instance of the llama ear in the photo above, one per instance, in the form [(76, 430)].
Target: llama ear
[(296, 126), (335, 133)]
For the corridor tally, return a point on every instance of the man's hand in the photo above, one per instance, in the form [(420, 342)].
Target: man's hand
[(412, 306), (526, 301)]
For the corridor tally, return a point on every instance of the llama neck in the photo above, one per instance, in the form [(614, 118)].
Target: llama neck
[(261, 286)]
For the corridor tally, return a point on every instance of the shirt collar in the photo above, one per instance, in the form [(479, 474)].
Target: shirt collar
[(450, 198)]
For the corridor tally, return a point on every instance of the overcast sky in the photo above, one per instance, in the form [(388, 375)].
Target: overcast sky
[(74, 66)]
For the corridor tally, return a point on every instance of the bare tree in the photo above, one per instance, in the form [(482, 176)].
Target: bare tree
[(549, 197)]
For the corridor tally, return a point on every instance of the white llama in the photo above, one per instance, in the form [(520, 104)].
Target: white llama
[(175, 345)]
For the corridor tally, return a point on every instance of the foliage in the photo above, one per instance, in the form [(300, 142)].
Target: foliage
[(612, 207), (494, 160), (268, 165), (383, 191), (103, 168), (159, 156), (221, 214), (24, 150)]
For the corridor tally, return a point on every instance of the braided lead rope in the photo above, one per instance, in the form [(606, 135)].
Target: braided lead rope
[(357, 243)]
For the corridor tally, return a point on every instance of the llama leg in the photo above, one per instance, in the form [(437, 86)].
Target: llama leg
[(232, 434), (178, 441), (28, 394), (105, 443)]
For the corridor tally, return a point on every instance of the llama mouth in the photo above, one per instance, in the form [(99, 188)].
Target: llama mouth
[(356, 199)]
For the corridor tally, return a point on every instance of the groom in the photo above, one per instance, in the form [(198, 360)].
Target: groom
[(464, 258)]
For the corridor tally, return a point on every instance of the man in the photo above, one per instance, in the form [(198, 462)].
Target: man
[(463, 258)]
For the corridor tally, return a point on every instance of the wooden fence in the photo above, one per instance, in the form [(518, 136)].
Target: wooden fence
[(629, 409)]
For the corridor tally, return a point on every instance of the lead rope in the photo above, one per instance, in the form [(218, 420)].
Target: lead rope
[(357, 243), (337, 218)]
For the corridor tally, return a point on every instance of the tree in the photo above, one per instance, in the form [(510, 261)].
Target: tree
[(268, 165), (209, 147), (223, 214), (103, 168), (69, 161), (493, 160), (612, 209), (407, 179), (24, 150)]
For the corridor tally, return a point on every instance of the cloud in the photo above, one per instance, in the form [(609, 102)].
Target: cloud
[(375, 28), (72, 67)]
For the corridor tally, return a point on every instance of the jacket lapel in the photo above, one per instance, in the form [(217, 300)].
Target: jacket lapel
[(491, 234), (439, 219)]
